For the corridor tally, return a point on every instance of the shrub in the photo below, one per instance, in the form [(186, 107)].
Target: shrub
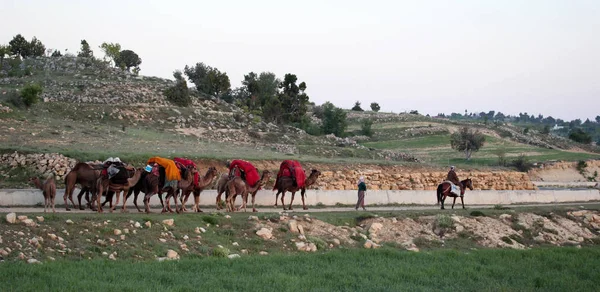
[(501, 153), (375, 107), (365, 127), (178, 94), (444, 222), (13, 97), (321, 245), (579, 136), (220, 252), (210, 219), (522, 163), (477, 213), (30, 94)]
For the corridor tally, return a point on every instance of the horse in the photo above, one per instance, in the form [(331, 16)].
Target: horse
[(443, 191)]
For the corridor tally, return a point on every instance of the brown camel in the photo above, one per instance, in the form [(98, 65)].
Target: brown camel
[(48, 190), (203, 182), (154, 186), (221, 188), (140, 186), (286, 184), (105, 185), (85, 175), (237, 186)]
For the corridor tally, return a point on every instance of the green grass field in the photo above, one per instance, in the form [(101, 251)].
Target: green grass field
[(544, 269)]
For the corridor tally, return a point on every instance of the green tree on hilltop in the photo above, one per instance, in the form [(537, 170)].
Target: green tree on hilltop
[(467, 140), (111, 52), (86, 51)]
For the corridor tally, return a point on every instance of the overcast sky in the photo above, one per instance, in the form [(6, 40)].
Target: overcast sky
[(432, 56)]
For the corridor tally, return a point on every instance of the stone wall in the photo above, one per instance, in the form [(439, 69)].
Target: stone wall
[(333, 176), (45, 164), (391, 179)]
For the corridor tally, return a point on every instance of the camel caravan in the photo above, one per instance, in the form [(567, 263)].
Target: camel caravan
[(178, 178)]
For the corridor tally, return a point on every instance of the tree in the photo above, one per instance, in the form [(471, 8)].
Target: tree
[(111, 51), (579, 136), (36, 48), (19, 46), (467, 140), (30, 94), (260, 88), (357, 107), (546, 130), (56, 53), (178, 94), (85, 52), (334, 120), (598, 119), (365, 127), (294, 101), (375, 107), (208, 80), (4, 50), (128, 59)]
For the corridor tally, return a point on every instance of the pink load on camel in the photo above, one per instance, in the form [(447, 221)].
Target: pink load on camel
[(250, 172), (188, 163), (291, 168)]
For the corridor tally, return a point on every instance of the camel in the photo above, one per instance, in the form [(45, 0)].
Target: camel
[(237, 186), (286, 184), (140, 186), (84, 175), (221, 188), (105, 185), (154, 187), (203, 182), (48, 190)]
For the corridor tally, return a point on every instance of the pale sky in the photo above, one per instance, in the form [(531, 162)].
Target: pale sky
[(534, 56)]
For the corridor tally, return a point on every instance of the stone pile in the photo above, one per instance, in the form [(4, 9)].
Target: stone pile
[(47, 164)]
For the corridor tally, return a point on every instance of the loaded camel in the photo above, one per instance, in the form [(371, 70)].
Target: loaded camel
[(85, 175), (237, 186), (48, 190), (106, 185), (286, 184), (154, 186), (203, 182)]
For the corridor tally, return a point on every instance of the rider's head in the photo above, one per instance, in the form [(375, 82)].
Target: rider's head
[(452, 167)]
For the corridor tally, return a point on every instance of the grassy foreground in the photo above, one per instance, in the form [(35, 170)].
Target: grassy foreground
[(546, 269)]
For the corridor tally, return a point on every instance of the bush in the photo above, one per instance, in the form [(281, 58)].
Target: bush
[(210, 219), (375, 107), (220, 252), (444, 222), (522, 163), (579, 136), (321, 245), (30, 94), (501, 153), (178, 94), (13, 97), (477, 213), (365, 127)]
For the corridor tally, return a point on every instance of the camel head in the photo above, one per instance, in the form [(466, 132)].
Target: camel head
[(212, 171), (34, 180), (315, 173), (266, 175)]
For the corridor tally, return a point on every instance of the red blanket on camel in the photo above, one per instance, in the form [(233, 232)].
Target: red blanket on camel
[(250, 172), (291, 168), (188, 163)]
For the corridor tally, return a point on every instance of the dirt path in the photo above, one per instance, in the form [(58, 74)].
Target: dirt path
[(311, 210)]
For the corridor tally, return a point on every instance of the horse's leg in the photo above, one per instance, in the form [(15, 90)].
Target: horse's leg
[(443, 200), (462, 201), (276, 197), (302, 194), (292, 201), (453, 202)]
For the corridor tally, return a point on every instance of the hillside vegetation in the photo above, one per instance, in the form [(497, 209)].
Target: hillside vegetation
[(91, 111)]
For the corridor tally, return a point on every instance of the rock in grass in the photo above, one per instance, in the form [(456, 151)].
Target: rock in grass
[(233, 256), (265, 233), (11, 218), (172, 255), (69, 221)]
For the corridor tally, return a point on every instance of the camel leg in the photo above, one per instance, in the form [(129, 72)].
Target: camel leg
[(175, 195), (136, 193), (184, 202), (98, 196), (302, 194), (276, 197), (124, 209), (118, 195), (45, 203), (253, 199), (292, 201), (453, 202), (147, 202), (462, 201), (282, 200), (66, 195), (81, 192), (244, 200), (53, 204), (197, 201)]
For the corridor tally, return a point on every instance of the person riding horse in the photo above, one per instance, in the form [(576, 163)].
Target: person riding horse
[(453, 178)]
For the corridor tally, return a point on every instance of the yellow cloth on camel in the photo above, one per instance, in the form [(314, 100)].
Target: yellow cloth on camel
[(171, 170)]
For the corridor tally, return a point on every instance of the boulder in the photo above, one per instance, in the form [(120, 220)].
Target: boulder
[(11, 218), (265, 233), (375, 227), (172, 255), (168, 222)]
